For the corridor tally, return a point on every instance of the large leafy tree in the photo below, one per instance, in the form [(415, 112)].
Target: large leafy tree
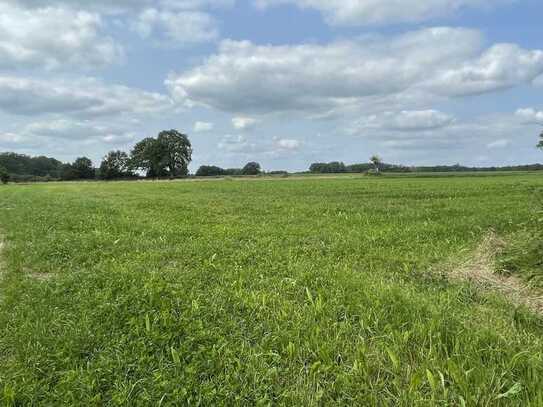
[(168, 154), (83, 168), (251, 168), (115, 165), (177, 152), (146, 156), (540, 144)]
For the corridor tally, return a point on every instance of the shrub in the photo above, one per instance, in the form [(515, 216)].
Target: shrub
[(4, 175)]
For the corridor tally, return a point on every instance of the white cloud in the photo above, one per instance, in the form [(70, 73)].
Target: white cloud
[(236, 144), (403, 70), (52, 38), (244, 123), (501, 66), (364, 12), (85, 97), (74, 130), (287, 144), (179, 27), (201, 127), (123, 6), (530, 116), (406, 120), (501, 143)]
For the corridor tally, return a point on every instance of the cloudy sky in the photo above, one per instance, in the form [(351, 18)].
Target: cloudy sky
[(282, 82)]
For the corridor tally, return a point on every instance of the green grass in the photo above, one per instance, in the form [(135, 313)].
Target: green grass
[(523, 256), (288, 292)]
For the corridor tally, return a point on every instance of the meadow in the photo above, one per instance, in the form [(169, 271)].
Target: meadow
[(305, 291)]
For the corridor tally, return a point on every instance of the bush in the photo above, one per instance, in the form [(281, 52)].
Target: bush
[(4, 175), (210, 171), (251, 168)]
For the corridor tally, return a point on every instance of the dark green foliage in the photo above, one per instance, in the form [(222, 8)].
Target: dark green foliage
[(4, 175), (83, 168), (20, 164), (115, 165), (68, 173), (177, 152), (540, 144), (337, 168), (334, 167), (210, 171), (168, 155), (251, 168), (233, 171)]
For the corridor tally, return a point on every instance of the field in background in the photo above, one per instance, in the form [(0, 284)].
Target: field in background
[(228, 292)]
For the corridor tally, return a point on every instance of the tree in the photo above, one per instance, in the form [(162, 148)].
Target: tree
[(169, 154), (68, 173), (115, 165), (146, 156), (4, 175), (334, 167), (251, 168), (210, 171), (83, 168), (376, 161), (540, 144), (176, 152)]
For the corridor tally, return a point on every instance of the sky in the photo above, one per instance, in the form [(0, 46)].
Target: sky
[(282, 82)]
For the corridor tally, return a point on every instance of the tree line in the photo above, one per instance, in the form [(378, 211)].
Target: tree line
[(169, 155), (166, 156)]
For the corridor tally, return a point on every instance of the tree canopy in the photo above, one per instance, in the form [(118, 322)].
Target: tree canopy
[(115, 165), (167, 155), (210, 171), (83, 168), (4, 175), (540, 144), (251, 168)]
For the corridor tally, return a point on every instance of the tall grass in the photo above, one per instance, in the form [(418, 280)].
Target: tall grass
[(308, 292)]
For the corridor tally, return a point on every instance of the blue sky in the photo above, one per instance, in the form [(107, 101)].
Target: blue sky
[(282, 82)]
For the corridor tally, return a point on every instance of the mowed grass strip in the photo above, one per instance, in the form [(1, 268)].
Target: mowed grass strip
[(313, 292)]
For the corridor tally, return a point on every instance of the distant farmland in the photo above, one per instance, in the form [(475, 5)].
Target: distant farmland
[(315, 292)]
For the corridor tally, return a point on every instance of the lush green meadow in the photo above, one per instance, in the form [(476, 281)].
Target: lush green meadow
[(262, 292)]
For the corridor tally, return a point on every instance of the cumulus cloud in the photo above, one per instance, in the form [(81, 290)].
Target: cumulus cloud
[(416, 66), (78, 130), (530, 116), (236, 144), (179, 27), (244, 123), (201, 127), (501, 143), (177, 22), (287, 144), (364, 12), (54, 37), (85, 97), (406, 120), (123, 6), (502, 66)]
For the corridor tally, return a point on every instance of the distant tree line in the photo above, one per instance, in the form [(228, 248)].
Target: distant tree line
[(339, 167), (251, 168), (169, 155)]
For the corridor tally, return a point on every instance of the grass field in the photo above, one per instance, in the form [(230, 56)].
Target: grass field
[(306, 292)]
